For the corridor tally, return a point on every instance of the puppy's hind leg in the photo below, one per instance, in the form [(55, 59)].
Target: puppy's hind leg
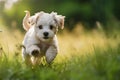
[(26, 58), (36, 61)]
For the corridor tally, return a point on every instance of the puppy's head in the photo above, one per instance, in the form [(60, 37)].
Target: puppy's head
[(46, 25)]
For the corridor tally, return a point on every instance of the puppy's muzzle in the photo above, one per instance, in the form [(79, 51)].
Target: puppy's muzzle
[(46, 34)]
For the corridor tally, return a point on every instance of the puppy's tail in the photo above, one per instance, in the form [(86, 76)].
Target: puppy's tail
[(26, 25)]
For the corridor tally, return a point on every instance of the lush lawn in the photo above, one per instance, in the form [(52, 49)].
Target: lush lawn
[(83, 56)]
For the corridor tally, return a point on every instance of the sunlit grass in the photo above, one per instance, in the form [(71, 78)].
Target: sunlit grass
[(81, 42), (83, 55)]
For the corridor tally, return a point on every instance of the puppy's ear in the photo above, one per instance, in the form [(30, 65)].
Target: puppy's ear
[(33, 19), (59, 19), (30, 20)]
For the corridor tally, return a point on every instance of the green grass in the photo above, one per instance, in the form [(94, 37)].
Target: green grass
[(84, 56), (101, 65)]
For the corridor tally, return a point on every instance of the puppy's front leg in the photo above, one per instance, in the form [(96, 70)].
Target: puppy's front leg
[(51, 54), (33, 50)]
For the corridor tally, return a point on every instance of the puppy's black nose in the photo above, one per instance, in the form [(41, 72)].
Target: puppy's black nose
[(45, 33)]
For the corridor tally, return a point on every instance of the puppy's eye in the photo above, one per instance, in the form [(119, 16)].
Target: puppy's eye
[(51, 27), (40, 26)]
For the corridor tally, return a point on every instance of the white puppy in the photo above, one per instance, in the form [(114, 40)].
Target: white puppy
[(40, 39)]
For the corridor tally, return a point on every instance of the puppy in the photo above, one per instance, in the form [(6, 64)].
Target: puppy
[(40, 39)]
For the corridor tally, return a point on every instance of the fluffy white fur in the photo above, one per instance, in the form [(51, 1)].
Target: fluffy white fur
[(40, 39)]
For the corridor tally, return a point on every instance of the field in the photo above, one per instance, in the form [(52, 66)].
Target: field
[(83, 55)]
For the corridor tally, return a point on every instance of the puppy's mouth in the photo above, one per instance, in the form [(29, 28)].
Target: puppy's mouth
[(45, 37)]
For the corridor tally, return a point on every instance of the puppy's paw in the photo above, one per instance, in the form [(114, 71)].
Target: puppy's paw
[(35, 53)]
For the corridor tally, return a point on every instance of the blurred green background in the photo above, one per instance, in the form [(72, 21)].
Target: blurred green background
[(86, 12)]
